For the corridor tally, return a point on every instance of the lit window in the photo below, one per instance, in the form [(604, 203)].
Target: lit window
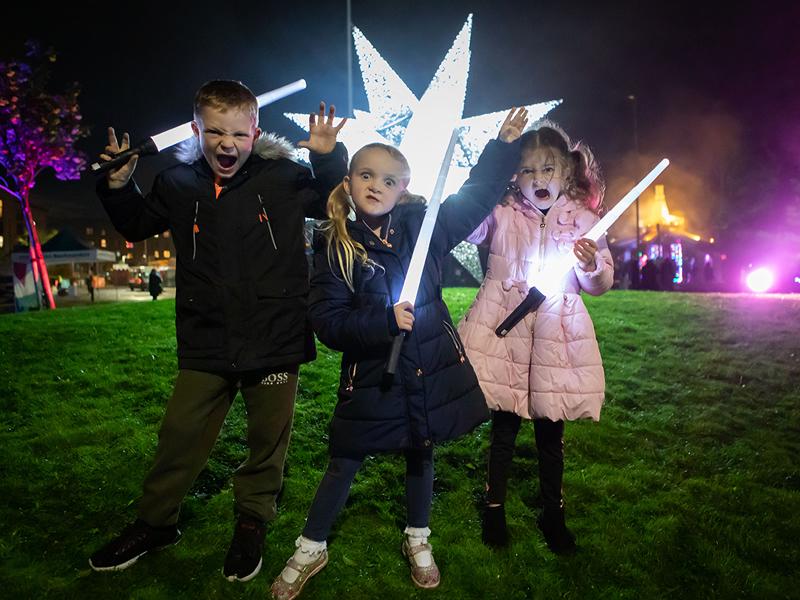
[(1, 209), (129, 245), (103, 243), (130, 255), (2, 243), (155, 253), (165, 234), (102, 232), (156, 236), (167, 254), (90, 231)]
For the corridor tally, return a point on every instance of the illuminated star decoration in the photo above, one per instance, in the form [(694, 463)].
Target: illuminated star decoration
[(421, 128)]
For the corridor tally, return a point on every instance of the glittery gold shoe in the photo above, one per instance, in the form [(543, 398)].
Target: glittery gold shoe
[(283, 590), (423, 577)]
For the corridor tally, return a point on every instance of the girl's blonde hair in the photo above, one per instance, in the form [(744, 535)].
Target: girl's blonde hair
[(342, 250), (583, 179)]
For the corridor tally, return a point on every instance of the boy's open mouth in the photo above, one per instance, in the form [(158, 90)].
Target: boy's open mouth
[(543, 193), (226, 161)]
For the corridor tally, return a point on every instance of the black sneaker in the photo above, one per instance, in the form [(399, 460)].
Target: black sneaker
[(243, 561), (559, 539), (494, 529), (136, 540)]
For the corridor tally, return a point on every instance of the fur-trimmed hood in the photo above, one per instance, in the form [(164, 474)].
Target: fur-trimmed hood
[(268, 146)]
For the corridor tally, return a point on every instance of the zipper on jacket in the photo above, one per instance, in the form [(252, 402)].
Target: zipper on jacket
[(195, 229), (541, 243), (351, 373), (266, 220), (456, 341)]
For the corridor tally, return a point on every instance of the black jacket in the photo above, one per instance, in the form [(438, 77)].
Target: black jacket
[(241, 276), (435, 394)]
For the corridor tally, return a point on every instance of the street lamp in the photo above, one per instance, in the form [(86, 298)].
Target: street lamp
[(632, 98)]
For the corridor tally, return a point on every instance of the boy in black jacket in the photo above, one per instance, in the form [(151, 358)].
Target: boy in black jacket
[(236, 212)]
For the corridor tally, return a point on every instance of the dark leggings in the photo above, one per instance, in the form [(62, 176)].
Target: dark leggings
[(550, 445), (335, 487)]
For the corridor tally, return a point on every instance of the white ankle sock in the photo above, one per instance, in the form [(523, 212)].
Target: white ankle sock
[(416, 537), (307, 552)]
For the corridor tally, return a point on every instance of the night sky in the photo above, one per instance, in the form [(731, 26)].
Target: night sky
[(717, 84)]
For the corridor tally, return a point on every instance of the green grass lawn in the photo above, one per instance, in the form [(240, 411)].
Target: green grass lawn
[(689, 486)]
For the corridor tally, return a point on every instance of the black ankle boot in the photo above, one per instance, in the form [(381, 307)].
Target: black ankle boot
[(495, 531), (559, 539)]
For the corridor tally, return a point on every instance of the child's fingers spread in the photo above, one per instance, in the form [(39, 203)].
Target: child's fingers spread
[(321, 112), (126, 141), (331, 113), (341, 124)]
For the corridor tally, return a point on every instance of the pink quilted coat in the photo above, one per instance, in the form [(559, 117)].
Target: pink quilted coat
[(549, 365)]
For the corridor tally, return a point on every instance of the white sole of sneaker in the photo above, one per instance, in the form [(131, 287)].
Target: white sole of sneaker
[(119, 567), (246, 577), (125, 565)]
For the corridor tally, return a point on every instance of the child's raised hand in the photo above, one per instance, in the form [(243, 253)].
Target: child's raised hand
[(514, 125), (585, 249), (322, 133), (118, 178), (404, 315)]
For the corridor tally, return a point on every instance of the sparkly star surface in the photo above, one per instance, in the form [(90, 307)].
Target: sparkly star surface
[(421, 128)]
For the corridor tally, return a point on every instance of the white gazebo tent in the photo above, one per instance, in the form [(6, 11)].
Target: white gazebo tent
[(63, 248)]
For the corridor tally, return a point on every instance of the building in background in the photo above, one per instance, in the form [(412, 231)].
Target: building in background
[(671, 256)]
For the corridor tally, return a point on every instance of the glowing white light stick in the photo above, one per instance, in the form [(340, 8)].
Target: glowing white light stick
[(161, 141), (414, 273), (548, 281), (420, 253)]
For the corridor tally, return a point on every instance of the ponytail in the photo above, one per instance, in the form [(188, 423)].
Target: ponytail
[(586, 183), (342, 250)]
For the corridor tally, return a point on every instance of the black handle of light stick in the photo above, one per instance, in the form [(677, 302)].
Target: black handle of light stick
[(142, 149), (531, 302), (394, 357)]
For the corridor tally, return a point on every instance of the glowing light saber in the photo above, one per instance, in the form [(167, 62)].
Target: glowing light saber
[(548, 280), (417, 263), (161, 141)]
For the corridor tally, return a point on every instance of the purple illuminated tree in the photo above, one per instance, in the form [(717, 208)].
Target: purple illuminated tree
[(38, 131)]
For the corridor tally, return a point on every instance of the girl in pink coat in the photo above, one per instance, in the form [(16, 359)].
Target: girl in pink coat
[(548, 368)]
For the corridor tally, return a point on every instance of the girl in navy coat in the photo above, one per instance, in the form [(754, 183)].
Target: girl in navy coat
[(360, 264)]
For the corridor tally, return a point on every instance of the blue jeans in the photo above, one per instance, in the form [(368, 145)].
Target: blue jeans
[(335, 487)]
